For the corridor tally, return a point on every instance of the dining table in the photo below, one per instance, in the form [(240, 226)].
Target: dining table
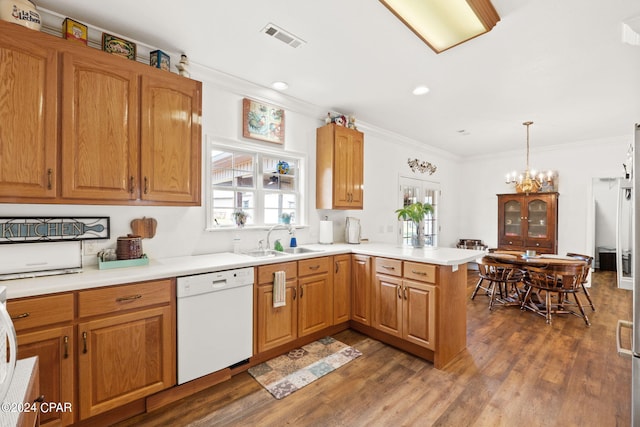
[(521, 260)]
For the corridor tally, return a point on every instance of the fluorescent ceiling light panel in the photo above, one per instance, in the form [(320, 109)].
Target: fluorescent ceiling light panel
[(442, 24)]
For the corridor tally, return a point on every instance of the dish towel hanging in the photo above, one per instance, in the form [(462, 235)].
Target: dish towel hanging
[(279, 289)]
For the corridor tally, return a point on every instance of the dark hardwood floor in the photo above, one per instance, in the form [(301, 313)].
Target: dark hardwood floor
[(516, 370)]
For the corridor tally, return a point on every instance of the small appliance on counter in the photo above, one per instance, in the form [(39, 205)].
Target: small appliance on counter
[(352, 230), (325, 236), (19, 261)]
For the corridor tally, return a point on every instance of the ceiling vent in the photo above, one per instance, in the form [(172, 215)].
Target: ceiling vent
[(282, 35)]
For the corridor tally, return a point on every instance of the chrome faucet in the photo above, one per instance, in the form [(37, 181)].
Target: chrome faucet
[(278, 227)]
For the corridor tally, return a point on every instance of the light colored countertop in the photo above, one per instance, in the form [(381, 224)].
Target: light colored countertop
[(92, 277)]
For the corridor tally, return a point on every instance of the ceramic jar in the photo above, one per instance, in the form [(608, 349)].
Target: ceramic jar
[(21, 12)]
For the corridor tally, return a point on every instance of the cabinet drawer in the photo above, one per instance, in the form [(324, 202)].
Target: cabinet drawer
[(265, 272), (420, 272), (311, 266), (392, 267), (40, 311), (125, 297)]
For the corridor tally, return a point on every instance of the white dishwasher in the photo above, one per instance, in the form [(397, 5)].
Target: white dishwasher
[(215, 321)]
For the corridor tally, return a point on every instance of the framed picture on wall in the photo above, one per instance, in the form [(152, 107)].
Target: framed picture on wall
[(262, 121)]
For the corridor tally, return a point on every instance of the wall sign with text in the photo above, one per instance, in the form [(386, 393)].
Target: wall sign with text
[(55, 229)]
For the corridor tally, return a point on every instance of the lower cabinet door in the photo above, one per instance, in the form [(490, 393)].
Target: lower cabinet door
[(387, 313), (123, 358), (55, 351), (277, 325), (419, 305), (341, 288), (315, 303)]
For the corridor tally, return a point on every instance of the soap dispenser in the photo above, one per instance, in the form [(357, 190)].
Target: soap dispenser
[(293, 243)]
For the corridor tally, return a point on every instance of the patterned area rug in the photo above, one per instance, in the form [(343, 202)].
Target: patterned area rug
[(290, 372)]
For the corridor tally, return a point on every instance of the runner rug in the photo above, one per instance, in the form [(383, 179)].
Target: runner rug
[(292, 371)]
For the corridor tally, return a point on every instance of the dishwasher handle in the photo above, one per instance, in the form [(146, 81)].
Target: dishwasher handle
[(218, 284)]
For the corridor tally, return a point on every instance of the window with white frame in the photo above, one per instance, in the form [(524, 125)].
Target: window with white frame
[(417, 190), (263, 186)]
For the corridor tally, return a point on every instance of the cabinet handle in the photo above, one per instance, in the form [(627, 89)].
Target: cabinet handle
[(301, 291), (314, 267), (129, 298), (49, 178), (421, 273), (132, 184), (404, 291), (84, 343), (39, 399), (398, 291), (388, 267), (146, 185), (66, 346), (337, 267), (21, 316), (295, 293), (537, 244)]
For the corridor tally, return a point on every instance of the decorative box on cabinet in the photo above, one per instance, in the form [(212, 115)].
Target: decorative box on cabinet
[(339, 167), (528, 221)]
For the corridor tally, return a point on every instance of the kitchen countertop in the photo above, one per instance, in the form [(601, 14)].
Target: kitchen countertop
[(92, 277)]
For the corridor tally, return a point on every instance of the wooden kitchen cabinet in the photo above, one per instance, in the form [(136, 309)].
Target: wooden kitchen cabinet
[(276, 325), (315, 295), (361, 289), (341, 288), (126, 134), (101, 129), (405, 301), (339, 167), (100, 137), (44, 329), (128, 355), (28, 113), (170, 139), (528, 221)]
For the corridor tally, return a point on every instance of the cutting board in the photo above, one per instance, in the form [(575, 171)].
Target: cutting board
[(144, 227)]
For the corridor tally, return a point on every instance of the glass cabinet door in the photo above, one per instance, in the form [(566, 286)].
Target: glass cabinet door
[(537, 220), (512, 219)]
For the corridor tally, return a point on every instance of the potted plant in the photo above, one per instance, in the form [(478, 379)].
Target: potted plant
[(240, 217), (285, 218), (416, 212)]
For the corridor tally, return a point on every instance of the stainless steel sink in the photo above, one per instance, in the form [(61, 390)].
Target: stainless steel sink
[(264, 253), (300, 250)]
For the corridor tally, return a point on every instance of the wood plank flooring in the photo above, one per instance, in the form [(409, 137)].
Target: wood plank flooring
[(516, 370)]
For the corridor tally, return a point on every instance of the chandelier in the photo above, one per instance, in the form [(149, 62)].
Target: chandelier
[(531, 181)]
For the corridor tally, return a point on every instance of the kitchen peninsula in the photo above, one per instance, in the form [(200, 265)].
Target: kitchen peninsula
[(413, 299)]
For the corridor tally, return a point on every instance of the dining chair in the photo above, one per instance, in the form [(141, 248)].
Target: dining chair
[(555, 281), (589, 260), (503, 282)]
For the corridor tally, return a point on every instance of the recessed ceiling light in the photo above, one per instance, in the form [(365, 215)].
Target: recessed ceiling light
[(420, 90), (279, 85)]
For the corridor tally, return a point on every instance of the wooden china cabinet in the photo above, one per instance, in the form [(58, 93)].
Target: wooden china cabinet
[(528, 221)]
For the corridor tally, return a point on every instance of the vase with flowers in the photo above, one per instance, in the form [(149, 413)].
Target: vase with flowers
[(416, 212)]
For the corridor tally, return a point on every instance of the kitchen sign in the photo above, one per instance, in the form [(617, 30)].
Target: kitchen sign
[(55, 229)]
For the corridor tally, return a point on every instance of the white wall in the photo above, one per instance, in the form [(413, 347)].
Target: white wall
[(576, 163)]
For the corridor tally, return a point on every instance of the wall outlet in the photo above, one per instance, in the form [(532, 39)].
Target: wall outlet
[(89, 247)]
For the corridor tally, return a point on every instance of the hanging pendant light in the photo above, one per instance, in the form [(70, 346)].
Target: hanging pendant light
[(529, 181)]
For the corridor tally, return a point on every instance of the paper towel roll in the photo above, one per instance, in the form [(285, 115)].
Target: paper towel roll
[(326, 232)]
